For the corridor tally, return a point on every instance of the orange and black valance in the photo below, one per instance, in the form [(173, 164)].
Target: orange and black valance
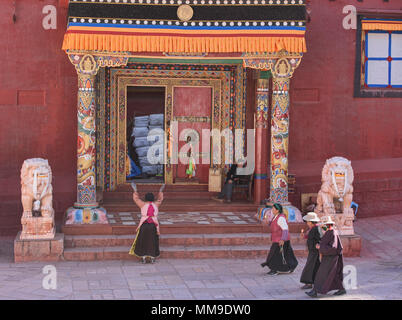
[(382, 24), (188, 26)]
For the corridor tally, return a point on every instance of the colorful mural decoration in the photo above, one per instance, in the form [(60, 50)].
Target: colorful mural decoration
[(262, 103), (86, 141), (279, 140), (282, 70), (86, 216)]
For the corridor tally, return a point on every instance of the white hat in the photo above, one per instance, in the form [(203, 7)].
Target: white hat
[(328, 220), (311, 216)]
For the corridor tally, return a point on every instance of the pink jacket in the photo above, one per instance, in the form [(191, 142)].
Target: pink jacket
[(144, 208)]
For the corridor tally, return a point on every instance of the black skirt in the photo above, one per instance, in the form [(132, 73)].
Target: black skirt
[(311, 267), (146, 244), (282, 263), (330, 274)]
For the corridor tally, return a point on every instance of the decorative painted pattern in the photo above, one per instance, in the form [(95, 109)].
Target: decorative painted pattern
[(279, 140), (86, 152)]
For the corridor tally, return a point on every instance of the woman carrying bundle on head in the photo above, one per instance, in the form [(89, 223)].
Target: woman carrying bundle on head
[(281, 258), (146, 243)]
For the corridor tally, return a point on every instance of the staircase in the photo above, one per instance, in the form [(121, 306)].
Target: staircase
[(177, 198), (180, 246), (188, 239)]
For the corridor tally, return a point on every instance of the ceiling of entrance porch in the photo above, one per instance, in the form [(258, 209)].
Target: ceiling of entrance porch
[(186, 27)]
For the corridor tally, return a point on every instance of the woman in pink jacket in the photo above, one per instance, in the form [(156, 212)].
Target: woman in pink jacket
[(146, 243)]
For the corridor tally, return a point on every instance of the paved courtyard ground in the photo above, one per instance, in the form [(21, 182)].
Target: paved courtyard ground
[(378, 271)]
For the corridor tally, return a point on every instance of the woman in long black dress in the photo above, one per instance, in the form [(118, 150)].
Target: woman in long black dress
[(313, 260), (146, 243), (330, 273), (281, 258)]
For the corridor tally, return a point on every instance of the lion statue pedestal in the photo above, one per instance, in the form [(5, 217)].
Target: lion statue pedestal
[(37, 200), (336, 194)]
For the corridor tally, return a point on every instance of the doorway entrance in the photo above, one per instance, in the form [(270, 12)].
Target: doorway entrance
[(192, 110), (145, 125)]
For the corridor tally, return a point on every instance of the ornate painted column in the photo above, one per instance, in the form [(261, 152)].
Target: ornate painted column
[(86, 209), (282, 70), (261, 139)]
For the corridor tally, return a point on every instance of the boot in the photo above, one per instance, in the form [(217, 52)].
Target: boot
[(312, 293), (340, 292)]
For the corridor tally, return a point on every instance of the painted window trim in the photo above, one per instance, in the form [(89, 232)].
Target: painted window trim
[(371, 91)]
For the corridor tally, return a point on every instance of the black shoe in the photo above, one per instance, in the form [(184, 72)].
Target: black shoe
[(312, 293), (264, 264), (307, 286), (218, 199), (340, 292), (272, 273)]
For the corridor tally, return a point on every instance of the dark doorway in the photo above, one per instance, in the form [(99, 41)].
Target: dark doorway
[(145, 114)]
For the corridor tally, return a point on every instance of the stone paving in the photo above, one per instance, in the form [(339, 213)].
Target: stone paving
[(379, 274), (227, 218)]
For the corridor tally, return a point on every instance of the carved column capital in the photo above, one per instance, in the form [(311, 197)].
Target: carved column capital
[(281, 64), (284, 67), (85, 64), (89, 64)]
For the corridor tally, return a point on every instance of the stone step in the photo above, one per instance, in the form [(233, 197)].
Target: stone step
[(176, 252), (175, 229), (179, 205), (127, 196), (149, 187), (177, 240)]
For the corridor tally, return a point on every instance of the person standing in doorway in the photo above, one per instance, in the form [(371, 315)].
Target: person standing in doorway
[(226, 194), (313, 260), (281, 258), (330, 273)]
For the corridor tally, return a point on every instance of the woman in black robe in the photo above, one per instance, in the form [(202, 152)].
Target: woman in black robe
[(330, 273), (313, 260)]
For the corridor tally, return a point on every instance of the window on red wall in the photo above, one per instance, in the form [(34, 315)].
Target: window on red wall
[(379, 60), (383, 59)]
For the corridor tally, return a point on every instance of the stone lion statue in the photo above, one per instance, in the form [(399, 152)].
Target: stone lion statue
[(37, 200), (336, 188)]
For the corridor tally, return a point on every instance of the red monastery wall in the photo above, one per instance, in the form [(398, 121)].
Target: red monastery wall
[(38, 92)]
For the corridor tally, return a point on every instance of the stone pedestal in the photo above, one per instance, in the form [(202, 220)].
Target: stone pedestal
[(352, 245), (34, 228), (38, 250)]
